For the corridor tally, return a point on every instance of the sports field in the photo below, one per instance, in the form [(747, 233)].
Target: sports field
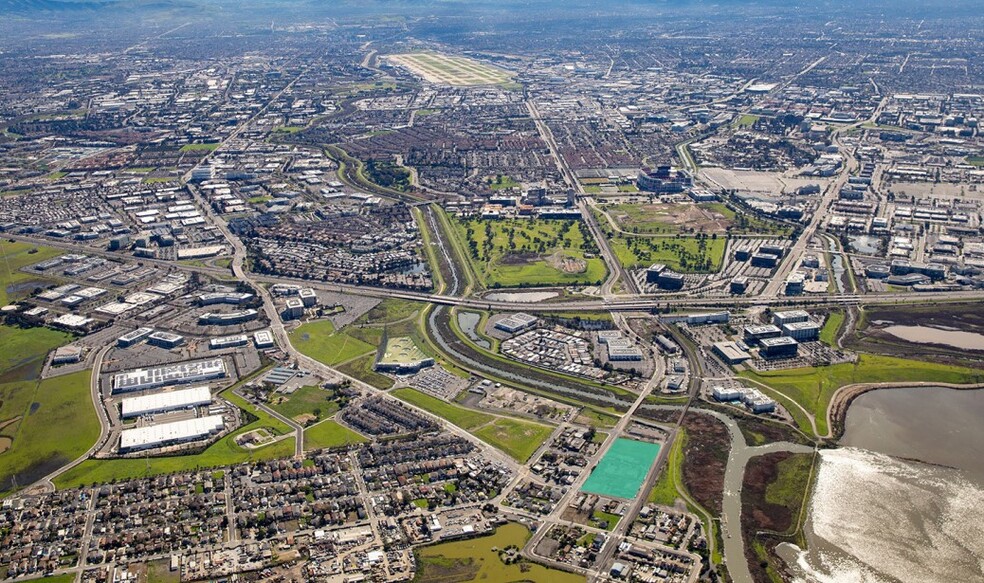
[(451, 70), (623, 469)]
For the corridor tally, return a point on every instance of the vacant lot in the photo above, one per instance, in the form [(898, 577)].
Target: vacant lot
[(451, 70), (478, 559), (320, 341), (517, 438), (660, 218), (530, 252), (309, 402), (49, 422), (329, 434)]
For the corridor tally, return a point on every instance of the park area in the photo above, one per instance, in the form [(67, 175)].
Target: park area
[(530, 252), (699, 254), (482, 559), (622, 471), (320, 341), (665, 218), (451, 70)]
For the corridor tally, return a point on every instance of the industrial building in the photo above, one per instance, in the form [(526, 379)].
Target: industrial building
[(174, 374), (781, 347), (516, 323), (169, 433), (165, 401)]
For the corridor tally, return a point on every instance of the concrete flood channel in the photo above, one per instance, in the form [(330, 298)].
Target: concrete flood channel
[(734, 474)]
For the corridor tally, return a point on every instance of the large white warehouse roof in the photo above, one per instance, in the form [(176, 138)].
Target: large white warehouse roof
[(167, 433), (158, 402)]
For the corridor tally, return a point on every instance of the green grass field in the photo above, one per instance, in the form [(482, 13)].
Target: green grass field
[(15, 284), (23, 351), (813, 388), (500, 182), (329, 434), (224, 452), (320, 341), (664, 492), (57, 424), (361, 368), (517, 438), (684, 255), (789, 488), (199, 147), (477, 559), (530, 252), (828, 334), (747, 120), (306, 401)]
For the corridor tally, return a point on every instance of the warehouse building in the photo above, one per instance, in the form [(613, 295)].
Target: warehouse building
[(175, 374), (516, 323), (169, 433), (730, 352), (168, 401)]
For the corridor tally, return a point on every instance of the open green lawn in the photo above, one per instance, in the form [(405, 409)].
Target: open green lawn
[(57, 424), (828, 334), (199, 147), (460, 416), (663, 218), (681, 254), (15, 284), (329, 434), (477, 559), (305, 401), (813, 388), (747, 120), (517, 438), (530, 252), (320, 341), (361, 368), (389, 310), (223, 452), (23, 351)]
